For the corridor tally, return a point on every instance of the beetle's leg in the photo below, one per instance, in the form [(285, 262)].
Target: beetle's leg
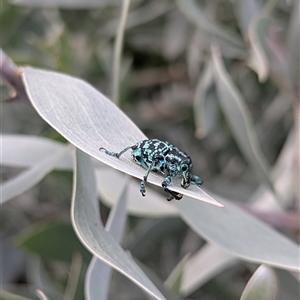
[(115, 154), (197, 180), (185, 181), (143, 182), (172, 194)]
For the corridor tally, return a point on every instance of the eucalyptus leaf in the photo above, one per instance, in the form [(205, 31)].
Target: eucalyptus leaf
[(38, 275), (246, 9), (67, 4), (193, 12), (174, 280), (96, 239), (239, 121), (89, 120), (262, 285), (136, 17), (240, 234), (30, 177), (293, 41), (203, 119), (10, 296), (258, 59), (205, 264), (41, 295), (211, 259), (98, 275), (24, 151), (154, 206)]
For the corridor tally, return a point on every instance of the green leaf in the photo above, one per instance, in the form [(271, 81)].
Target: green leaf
[(86, 222), (262, 285), (239, 121), (239, 233), (4, 295), (53, 241), (89, 120)]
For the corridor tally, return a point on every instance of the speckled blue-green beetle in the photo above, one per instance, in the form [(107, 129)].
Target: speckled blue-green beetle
[(157, 156)]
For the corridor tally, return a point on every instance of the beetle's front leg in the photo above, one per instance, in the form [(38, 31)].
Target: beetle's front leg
[(196, 179), (143, 182), (172, 194), (143, 186), (186, 181)]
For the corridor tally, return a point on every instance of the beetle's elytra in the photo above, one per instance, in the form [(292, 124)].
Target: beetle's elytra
[(158, 156)]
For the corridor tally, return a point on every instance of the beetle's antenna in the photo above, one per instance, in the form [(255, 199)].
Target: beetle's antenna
[(115, 154)]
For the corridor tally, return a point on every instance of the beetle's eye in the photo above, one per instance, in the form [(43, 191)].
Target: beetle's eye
[(184, 168), (138, 157)]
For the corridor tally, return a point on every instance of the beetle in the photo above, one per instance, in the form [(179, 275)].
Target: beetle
[(162, 157)]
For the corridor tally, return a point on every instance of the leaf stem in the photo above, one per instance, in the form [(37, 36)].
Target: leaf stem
[(118, 52)]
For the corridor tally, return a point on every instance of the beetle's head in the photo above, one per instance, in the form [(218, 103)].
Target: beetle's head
[(184, 170)]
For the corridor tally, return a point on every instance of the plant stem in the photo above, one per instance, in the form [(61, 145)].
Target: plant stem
[(118, 52)]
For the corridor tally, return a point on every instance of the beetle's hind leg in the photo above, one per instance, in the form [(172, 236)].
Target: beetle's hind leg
[(115, 154), (172, 195)]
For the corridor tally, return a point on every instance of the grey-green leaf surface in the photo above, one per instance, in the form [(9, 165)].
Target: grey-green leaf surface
[(153, 206), (86, 222), (34, 149), (30, 177), (246, 9), (293, 40), (240, 234), (193, 12), (211, 259), (205, 264), (67, 4), (239, 121), (258, 58), (174, 280), (98, 274), (38, 275), (204, 119), (41, 295), (89, 120), (10, 296), (262, 285)]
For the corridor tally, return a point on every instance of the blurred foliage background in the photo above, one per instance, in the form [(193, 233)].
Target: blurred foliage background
[(167, 89)]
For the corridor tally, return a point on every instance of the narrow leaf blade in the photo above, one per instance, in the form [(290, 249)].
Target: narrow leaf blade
[(30, 177), (97, 240), (89, 120), (262, 285), (98, 274), (241, 234), (239, 121)]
